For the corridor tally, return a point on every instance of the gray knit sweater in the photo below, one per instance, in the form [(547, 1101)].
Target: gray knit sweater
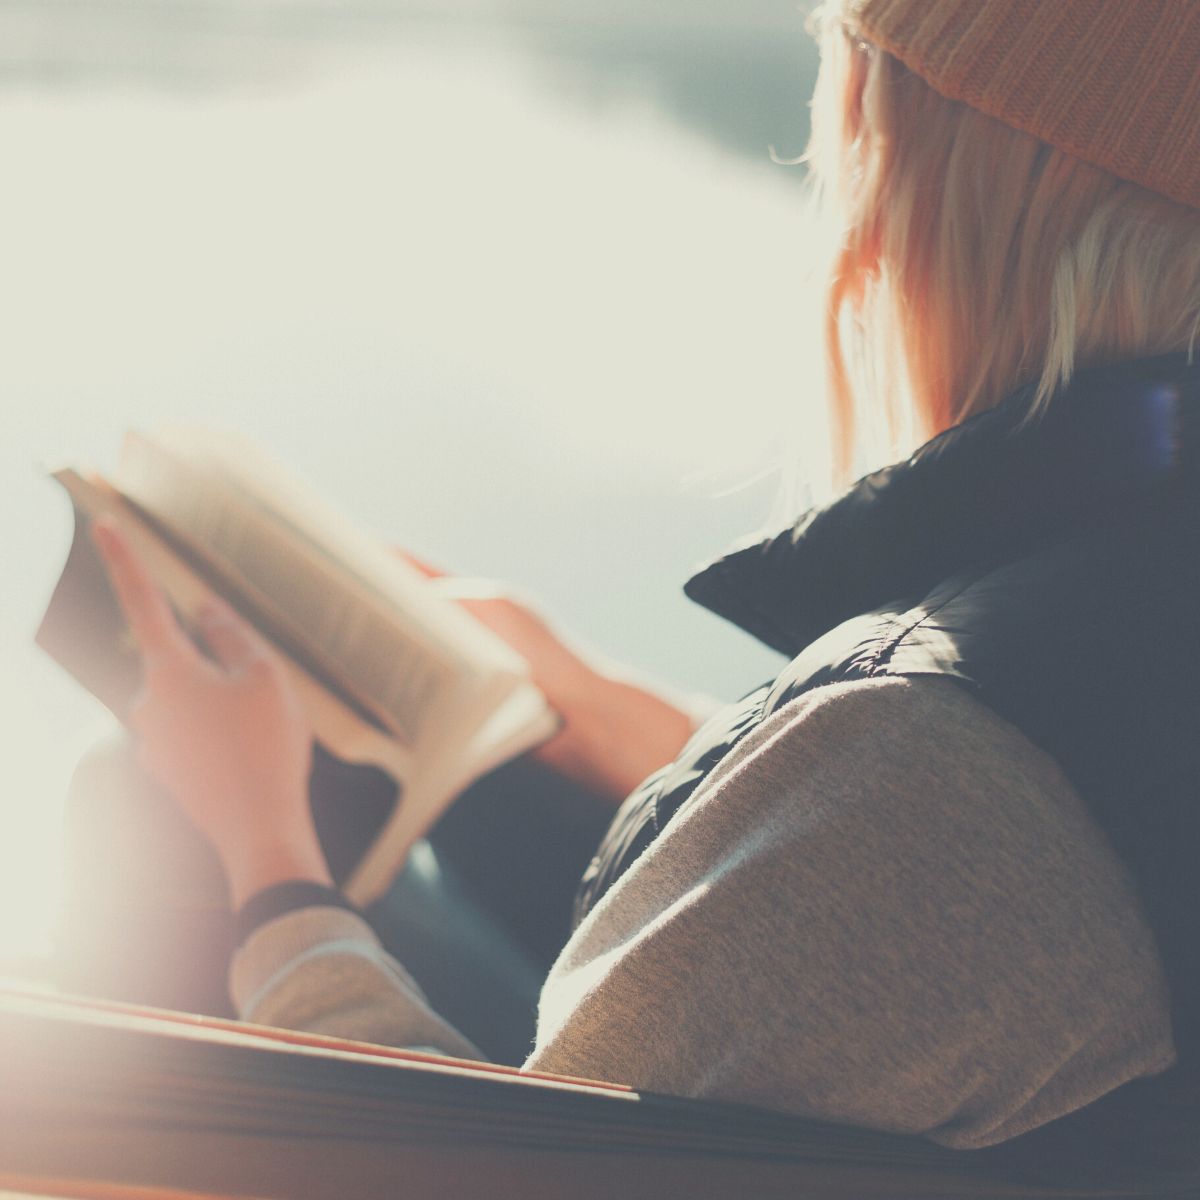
[(885, 906)]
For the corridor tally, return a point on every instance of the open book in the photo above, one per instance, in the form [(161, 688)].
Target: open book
[(410, 699), (103, 1101), (107, 1102)]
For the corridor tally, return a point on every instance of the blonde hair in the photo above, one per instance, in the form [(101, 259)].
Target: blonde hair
[(968, 258)]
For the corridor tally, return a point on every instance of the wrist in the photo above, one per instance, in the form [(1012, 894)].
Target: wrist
[(280, 899), (616, 733), (252, 866)]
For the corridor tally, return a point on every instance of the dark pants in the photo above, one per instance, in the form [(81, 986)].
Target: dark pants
[(477, 915)]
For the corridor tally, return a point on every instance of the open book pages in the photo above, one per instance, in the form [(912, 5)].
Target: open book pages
[(115, 1098), (88, 1011), (411, 658), (391, 673)]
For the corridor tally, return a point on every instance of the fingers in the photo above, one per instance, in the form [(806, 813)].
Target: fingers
[(418, 564), (481, 596), (142, 601), (463, 588), (233, 640)]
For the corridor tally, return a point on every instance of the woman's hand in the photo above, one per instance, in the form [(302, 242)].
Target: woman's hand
[(615, 730), (225, 736)]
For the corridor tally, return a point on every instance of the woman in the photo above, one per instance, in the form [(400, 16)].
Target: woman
[(935, 878)]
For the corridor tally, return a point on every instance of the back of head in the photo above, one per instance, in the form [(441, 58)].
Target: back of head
[(1014, 187)]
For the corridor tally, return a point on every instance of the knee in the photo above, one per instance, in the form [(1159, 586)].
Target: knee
[(126, 842), (107, 777)]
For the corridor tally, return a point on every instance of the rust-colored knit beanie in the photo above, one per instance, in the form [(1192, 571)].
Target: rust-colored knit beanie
[(1113, 82)]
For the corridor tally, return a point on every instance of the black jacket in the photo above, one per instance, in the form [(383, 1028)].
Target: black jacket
[(1049, 565)]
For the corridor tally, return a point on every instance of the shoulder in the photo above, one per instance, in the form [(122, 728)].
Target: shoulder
[(915, 755), (884, 906)]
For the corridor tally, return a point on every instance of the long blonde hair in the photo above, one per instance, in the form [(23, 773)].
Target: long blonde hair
[(967, 258)]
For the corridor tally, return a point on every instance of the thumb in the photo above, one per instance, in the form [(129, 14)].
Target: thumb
[(233, 641), (418, 564)]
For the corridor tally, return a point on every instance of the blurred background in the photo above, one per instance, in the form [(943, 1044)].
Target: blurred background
[(517, 282)]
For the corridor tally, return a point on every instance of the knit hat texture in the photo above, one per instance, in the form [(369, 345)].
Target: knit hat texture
[(1113, 82)]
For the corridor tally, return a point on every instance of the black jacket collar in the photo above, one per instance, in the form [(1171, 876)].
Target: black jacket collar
[(1119, 438)]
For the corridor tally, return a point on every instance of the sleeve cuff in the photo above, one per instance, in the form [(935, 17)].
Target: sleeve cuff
[(322, 969), (278, 944), (285, 897)]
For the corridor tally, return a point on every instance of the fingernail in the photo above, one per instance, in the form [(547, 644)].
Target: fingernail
[(102, 535), (212, 612)]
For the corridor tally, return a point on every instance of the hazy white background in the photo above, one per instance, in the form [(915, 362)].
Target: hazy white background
[(515, 282)]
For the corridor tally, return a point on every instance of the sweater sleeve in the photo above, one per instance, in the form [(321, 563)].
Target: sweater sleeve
[(323, 970), (884, 907)]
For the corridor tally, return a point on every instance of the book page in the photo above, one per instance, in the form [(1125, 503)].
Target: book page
[(84, 630), (109, 1093), (253, 480), (522, 721), (401, 671), (219, 1030)]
